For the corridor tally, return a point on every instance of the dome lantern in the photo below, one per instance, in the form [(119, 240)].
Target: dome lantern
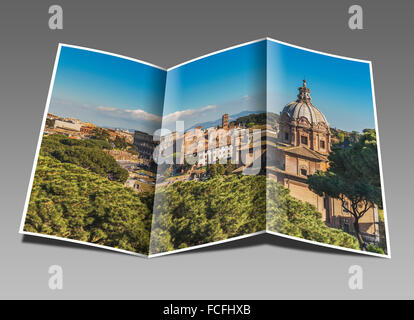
[(304, 93), (303, 108)]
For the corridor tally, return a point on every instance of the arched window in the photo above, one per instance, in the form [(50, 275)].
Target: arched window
[(304, 172)]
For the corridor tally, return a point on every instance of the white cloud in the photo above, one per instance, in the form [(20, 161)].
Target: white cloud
[(138, 114), (129, 114), (182, 115)]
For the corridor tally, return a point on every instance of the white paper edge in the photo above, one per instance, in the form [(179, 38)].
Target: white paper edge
[(206, 244), (28, 194), (83, 243), (263, 39)]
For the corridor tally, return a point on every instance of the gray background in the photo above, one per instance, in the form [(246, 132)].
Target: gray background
[(167, 33)]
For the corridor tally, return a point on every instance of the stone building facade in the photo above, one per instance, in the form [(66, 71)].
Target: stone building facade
[(145, 144), (300, 148)]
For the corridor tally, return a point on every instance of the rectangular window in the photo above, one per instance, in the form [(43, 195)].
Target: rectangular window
[(326, 203), (326, 207), (346, 205), (322, 144), (286, 135), (346, 227), (303, 172), (304, 140)]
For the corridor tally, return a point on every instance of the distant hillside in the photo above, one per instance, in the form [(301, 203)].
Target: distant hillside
[(258, 119), (122, 129), (217, 122)]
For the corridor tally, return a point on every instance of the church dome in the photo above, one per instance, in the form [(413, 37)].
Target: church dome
[(303, 108)]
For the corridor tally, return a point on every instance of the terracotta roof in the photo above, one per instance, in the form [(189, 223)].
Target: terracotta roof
[(279, 170), (305, 152)]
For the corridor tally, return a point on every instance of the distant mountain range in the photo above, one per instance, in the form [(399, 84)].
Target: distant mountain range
[(232, 117), (207, 124), (122, 129)]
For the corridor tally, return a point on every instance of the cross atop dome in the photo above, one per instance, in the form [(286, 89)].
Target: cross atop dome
[(304, 93)]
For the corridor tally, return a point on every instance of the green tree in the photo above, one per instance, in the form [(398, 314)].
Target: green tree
[(49, 123), (71, 202), (257, 119), (288, 215), (354, 137), (211, 170), (101, 134), (193, 213), (88, 154), (341, 137), (216, 169), (120, 143), (373, 248), (229, 167), (353, 177)]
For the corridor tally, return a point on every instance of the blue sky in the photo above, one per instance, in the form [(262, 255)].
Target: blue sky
[(116, 92), (233, 81), (107, 90), (228, 82), (340, 88)]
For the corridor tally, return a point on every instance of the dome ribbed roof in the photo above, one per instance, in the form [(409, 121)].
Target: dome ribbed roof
[(303, 107)]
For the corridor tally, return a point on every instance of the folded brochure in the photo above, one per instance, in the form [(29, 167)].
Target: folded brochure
[(262, 137)]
